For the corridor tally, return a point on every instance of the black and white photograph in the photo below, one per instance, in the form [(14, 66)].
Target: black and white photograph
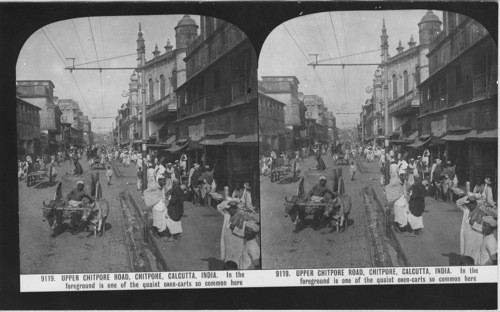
[(137, 146), (378, 141)]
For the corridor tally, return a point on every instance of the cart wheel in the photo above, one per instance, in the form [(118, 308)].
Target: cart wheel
[(98, 190), (341, 189), (58, 192)]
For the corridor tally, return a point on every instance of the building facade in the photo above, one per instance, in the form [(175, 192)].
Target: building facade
[(162, 75), (28, 128), (372, 115), (406, 70), (271, 123), (285, 89), (72, 114), (217, 123), (460, 98), (317, 110), (41, 94)]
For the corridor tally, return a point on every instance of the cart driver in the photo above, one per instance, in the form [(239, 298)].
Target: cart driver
[(77, 194), (320, 192)]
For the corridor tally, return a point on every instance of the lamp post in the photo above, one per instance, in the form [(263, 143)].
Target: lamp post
[(386, 120)]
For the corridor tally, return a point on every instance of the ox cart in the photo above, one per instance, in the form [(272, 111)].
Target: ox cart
[(332, 210), (61, 214), (49, 172), (279, 172)]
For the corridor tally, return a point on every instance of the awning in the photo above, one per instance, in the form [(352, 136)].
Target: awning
[(482, 135), (424, 136), (243, 139), (182, 141), (158, 146), (170, 140), (455, 137), (176, 148), (419, 144), (214, 141), (412, 136)]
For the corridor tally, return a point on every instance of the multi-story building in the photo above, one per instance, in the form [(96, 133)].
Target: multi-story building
[(317, 110), (406, 70), (286, 90), (88, 136), (218, 109), (162, 74), (71, 113), (372, 117), (460, 98), (332, 127), (28, 128), (271, 122), (41, 94)]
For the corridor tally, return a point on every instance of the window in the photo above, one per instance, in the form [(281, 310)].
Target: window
[(394, 87), (458, 75), (151, 91), (405, 82), (162, 86), (216, 80), (417, 75)]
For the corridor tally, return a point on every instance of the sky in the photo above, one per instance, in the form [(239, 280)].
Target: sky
[(113, 36), (356, 32)]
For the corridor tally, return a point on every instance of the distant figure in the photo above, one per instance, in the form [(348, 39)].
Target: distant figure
[(109, 174), (321, 164), (352, 170)]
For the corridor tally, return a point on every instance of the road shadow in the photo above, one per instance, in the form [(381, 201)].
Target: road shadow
[(45, 185), (454, 258), (288, 180), (214, 264)]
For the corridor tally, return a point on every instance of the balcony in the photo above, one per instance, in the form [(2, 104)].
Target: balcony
[(163, 105), (404, 104)]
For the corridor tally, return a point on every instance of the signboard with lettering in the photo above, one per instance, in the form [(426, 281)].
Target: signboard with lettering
[(438, 127)]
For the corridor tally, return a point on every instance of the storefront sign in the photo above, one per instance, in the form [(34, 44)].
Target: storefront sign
[(438, 127)]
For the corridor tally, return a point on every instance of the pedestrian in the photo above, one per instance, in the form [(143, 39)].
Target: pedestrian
[(417, 206), (489, 248), (231, 244), (352, 170), (109, 174), (151, 174), (175, 211), (321, 164), (488, 191), (250, 256), (470, 238), (139, 178)]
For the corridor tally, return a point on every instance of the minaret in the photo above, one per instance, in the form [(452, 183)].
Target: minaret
[(400, 48), (141, 48), (377, 90), (156, 52), (384, 43), (168, 47), (412, 42)]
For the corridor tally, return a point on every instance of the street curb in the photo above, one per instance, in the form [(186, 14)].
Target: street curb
[(390, 230), (149, 235)]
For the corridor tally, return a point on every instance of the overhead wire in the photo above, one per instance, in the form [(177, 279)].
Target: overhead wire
[(341, 61), (98, 63), (324, 43), (343, 56), (62, 60), (109, 58), (304, 54), (103, 50), (83, 50)]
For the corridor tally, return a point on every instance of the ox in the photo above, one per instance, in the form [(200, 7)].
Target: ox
[(96, 217), (338, 211), (58, 217)]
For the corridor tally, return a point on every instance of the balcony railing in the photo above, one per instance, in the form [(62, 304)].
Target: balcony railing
[(162, 105), (403, 102)]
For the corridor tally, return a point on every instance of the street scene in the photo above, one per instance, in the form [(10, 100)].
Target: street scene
[(375, 152), (135, 158)]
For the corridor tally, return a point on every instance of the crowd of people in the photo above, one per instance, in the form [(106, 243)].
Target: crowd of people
[(169, 185)]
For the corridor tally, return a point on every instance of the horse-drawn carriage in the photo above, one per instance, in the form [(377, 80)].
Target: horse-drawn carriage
[(49, 172), (331, 210), (60, 213)]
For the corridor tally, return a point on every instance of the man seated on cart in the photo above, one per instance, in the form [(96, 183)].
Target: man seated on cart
[(320, 193), (76, 195)]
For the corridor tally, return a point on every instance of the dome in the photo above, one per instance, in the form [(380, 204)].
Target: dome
[(186, 21), (430, 17)]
